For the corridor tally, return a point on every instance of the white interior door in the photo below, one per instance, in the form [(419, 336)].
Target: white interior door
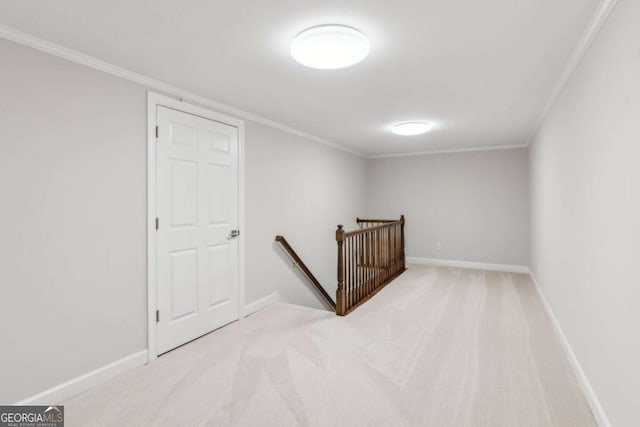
[(197, 210)]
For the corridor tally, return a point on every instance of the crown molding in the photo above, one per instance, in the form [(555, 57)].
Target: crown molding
[(452, 151), (598, 19), (19, 37), (600, 16)]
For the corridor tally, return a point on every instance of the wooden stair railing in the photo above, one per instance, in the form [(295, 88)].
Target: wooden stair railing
[(368, 259), (297, 262)]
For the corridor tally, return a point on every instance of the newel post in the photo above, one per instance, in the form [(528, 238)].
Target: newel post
[(340, 294), (403, 263)]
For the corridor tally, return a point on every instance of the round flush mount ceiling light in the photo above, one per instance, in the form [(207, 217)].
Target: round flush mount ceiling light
[(411, 128), (330, 47)]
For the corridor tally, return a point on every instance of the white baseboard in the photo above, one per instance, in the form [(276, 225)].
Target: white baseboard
[(596, 407), (260, 304), (78, 385), (467, 264)]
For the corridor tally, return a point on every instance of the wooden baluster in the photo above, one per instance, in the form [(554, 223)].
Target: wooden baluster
[(352, 261), (397, 247), (349, 286), (365, 276), (402, 242), (340, 295), (387, 242), (375, 258), (359, 260), (381, 251), (353, 271), (369, 261), (381, 266), (359, 246), (356, 257), (364, 258), (348, 283), (381, 261), (396, 256), (393, 253), (356, 241), (386, 252), (393, 246), (370, 269), (390, 234), (363, 271), (355, 260), (383, 233), (376, 247), (389, 250), (381, 255)]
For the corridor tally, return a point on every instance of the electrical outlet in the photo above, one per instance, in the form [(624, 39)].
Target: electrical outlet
[(438, 246)]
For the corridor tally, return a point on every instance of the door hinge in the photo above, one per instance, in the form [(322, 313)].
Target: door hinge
[(156, 132), (157, 316), (157, 223)]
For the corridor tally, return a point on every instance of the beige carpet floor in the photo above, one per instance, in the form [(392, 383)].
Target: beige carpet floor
[(437, 347)]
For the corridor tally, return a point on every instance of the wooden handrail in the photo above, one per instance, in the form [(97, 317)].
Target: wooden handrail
[(305, 270), (370, 229), (359, 220)]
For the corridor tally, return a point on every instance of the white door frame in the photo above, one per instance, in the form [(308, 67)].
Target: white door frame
[(153, 100)]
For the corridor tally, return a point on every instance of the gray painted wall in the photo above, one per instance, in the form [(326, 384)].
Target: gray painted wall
[(585, 222), (73, 194), (301, 190), (475, 204)]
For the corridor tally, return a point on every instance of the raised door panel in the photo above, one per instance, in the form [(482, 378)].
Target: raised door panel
[(220, 274), (184, 284), (183, 196)]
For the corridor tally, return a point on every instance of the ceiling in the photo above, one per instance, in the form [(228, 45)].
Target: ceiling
[(481, 71)]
